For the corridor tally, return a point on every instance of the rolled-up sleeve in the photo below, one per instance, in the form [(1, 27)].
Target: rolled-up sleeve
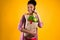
[(39, 22), (21, 23)]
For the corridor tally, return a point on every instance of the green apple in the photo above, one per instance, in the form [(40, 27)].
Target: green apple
[(35, 19)]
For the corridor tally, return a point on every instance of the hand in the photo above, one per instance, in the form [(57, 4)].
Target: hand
[(33, 33), (30, 35), (35, 11)]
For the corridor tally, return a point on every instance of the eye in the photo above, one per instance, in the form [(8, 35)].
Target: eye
[(28, 7), (31, 7)]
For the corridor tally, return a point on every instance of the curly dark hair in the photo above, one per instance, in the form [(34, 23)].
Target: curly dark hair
[(32, 2)]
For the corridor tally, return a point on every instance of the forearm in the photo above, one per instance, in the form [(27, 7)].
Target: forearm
[(26, 31)]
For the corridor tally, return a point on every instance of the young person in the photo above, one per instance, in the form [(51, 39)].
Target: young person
[(29, 23)]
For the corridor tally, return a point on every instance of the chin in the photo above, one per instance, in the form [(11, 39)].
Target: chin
[(30, 12)]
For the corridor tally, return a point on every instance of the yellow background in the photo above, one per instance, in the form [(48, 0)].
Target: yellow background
[(12, 10)]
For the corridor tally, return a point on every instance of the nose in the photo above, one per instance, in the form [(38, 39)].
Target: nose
[(29, 8)]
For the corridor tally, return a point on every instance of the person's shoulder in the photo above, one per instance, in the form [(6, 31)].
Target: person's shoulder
[(25, 14)]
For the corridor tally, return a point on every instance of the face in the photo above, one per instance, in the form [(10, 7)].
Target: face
[(30, 8)]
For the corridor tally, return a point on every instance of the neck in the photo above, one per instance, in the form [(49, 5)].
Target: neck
[(30, 13)]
